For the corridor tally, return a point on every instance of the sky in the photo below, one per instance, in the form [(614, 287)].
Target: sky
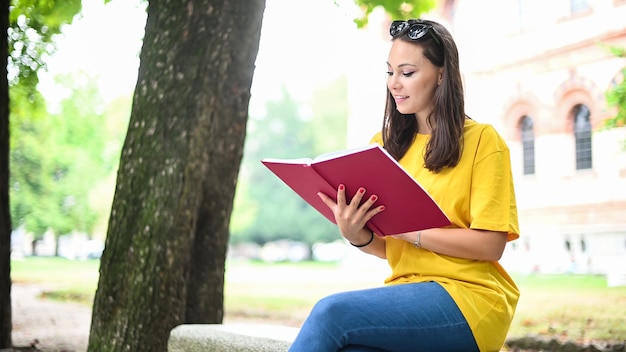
[(104, 42), (304, 44)]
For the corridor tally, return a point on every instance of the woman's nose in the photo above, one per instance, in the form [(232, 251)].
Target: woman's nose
[(392, 83)]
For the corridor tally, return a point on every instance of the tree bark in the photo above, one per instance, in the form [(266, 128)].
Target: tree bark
[(163, 264), (5, 213)]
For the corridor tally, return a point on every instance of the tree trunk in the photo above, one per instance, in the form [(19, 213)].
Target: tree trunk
[(5, 213), (163, 263)]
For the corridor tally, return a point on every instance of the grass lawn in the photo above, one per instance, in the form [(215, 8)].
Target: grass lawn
[(68, 279), (580, 308)]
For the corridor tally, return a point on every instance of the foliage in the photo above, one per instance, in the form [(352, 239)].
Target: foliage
[(616, 95), (33, 23), (329, 123), (58, 159), (397, 9), (285, 133), (113, 131), (32, 26)]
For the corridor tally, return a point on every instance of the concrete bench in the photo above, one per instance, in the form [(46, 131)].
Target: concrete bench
[(230, 338)]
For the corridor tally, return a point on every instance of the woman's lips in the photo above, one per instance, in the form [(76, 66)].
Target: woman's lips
[(400, 98)]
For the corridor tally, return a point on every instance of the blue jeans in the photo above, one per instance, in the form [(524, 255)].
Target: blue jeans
[(406, 317)]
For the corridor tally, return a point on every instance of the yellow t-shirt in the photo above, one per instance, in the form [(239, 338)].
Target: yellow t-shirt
[(478, 193)]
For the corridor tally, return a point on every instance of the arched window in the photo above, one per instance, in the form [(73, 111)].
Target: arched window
[(528, 144), (582, 134)]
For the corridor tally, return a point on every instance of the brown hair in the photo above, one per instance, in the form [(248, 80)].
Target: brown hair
[(448, 116)]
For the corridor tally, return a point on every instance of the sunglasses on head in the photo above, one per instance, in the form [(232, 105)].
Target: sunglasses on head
[(414, 30)]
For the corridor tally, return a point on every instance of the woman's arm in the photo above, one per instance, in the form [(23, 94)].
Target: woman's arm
[(460, 243), (376, 247)]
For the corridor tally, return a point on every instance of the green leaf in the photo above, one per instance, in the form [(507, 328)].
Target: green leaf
[(397, 9)]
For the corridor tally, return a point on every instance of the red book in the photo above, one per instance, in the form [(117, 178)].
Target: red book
[(408, 207)]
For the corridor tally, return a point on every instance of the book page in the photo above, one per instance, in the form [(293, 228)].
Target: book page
[(322, 157), (298, 161), (340, 153)]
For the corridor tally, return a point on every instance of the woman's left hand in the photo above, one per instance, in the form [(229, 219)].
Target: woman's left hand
[(351, 216)]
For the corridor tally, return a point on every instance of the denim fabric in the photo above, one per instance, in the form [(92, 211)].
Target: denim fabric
[(405, 317)]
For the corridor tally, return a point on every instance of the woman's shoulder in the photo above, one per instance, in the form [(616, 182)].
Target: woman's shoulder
[(477, 131), (480, 128), (377, 138), (475, 126)]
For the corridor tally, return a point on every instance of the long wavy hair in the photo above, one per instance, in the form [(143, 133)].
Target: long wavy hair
[(448, 116)]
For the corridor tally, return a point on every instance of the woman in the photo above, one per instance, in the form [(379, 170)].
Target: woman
[(447, 291)]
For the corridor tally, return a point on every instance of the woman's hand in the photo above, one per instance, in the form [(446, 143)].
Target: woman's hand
[(352, 215)]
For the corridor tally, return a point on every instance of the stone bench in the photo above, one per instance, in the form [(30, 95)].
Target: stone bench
[(230, 338)]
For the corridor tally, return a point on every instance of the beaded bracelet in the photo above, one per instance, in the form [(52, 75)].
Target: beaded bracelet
[(364, 244)]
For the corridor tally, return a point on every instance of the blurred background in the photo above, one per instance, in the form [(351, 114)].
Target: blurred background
[(539, 72), (542, 72)]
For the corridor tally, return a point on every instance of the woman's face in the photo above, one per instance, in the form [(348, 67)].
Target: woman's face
[(412, 78)]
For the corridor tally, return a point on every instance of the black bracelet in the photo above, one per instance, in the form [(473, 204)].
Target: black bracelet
[(364, 244)]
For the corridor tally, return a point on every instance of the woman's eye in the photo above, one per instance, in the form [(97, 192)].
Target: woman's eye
[(389, 73), (407, 74)]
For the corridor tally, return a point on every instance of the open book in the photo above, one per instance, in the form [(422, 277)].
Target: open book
[(408, 207)]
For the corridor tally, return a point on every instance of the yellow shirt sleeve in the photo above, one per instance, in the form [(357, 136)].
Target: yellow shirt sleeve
[(492, 206)]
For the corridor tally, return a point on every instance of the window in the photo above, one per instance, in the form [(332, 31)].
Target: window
[(583, 245), (530, 14), (528, 144), (578, 6), (582, 134)]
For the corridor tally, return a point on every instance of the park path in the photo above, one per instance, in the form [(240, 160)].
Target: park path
[(57, 326)]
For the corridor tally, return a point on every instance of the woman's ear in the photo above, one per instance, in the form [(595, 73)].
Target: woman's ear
[(440, 79)]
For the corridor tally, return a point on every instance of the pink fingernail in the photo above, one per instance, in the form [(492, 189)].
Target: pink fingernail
[(341, 187)]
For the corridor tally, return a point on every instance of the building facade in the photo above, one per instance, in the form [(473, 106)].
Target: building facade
[(539, 71)]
